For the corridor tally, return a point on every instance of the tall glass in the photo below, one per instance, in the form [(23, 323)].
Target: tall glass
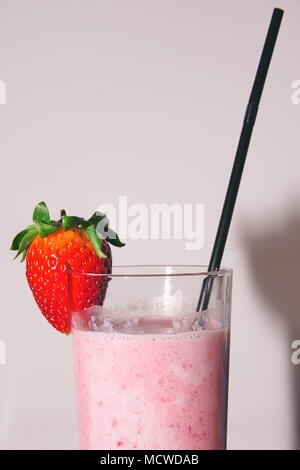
[(151, 372)]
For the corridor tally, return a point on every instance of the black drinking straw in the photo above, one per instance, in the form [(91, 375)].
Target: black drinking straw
[(240, 157)]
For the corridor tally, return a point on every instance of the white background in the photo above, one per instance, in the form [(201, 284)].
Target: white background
[(146, 99)]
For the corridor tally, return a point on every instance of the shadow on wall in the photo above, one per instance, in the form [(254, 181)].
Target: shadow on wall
[(274, 259)]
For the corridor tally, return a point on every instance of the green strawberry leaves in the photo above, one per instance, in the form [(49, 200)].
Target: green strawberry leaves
[(45, 229), (111, 237), (96, 218), (18, 238), (42, 220), (41, 214), (96, 228), (90, 230), (69, 222), (101, 222), (22, 241)]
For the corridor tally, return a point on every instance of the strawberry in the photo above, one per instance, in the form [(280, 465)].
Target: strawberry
[(52, 249)]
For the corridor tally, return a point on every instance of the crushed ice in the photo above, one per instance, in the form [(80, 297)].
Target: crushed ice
[(139, 319)]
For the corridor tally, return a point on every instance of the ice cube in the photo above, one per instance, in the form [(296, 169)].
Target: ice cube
[(100, 324)]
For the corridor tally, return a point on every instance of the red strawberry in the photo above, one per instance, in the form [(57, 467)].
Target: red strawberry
[(52, 249)]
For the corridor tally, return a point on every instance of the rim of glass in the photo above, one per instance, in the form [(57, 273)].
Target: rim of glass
[(199, 270)]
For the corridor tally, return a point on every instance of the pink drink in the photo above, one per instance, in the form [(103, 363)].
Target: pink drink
[(151, 372), (151, 391)]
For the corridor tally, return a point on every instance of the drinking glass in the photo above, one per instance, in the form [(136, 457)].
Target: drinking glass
[(151, 372)]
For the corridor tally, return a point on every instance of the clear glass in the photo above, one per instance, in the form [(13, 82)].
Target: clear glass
[(151, 372)]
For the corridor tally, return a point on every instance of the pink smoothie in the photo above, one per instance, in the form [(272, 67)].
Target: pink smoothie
[(151, 391)]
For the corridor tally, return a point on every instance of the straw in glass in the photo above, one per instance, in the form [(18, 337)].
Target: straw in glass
[(240, 157)]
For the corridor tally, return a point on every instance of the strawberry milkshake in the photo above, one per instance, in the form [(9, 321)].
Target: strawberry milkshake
[(155, 387)]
